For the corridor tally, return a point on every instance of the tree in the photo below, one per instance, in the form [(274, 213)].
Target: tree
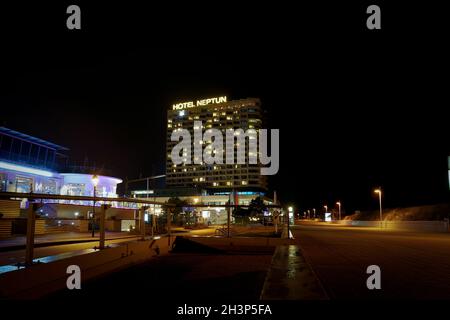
[(241, 214), (257, 206), (179, 208)]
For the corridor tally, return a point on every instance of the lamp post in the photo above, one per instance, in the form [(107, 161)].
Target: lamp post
[(339, 204), (381, 209), (290, 212), (95, 183), (314, 211)]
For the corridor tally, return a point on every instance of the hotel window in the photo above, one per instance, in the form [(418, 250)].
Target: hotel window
[(24, 184)]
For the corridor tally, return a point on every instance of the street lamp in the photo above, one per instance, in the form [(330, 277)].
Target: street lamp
[(290, 213), (326, 209), (314, 211), (95, 183), (381, 209), (339, 204)]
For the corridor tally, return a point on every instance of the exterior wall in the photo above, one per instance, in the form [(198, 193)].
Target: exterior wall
[(244, 114), (412, 226), (113, 225), (106, 187), (10, 208), (68, 211), (212, 199), (40, 184), (44, 278), (39, 227), (5, 228), (54, 183)]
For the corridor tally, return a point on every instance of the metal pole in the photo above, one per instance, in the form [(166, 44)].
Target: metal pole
[(228, 222), (288, 225), (142, 221), (102, 225), (275, 220), (153, 223), (169, 222), (93, 214), (153, 219), (381, 210), (31, 219)]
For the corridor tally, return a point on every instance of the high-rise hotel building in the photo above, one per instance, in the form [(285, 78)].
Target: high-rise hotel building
[(217, 113)]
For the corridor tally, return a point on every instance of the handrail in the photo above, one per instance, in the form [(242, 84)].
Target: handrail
[(118, 199)]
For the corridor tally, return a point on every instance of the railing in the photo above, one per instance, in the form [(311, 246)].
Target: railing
[(35, 206)]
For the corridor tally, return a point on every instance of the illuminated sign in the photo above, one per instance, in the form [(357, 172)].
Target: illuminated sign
[(199, 103)]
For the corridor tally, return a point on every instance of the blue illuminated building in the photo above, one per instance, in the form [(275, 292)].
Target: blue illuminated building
[(29, 164)]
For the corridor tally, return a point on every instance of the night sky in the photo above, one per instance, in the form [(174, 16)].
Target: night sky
[(355, 108)]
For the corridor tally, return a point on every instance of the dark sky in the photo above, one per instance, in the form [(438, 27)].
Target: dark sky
[(355, 108)]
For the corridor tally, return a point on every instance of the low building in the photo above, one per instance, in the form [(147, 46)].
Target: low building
[(32, 165), (207, 204)]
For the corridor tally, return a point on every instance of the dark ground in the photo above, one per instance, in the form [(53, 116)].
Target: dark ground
[(413, 265), (182, 277)]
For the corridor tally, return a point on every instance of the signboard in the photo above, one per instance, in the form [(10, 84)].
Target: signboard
[(199, 103), (327, 216)]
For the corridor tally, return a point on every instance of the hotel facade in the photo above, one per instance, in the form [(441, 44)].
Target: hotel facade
[(215, 113)]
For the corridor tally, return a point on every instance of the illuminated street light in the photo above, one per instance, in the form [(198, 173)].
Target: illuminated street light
[(95, 180), (339, 204), (290, 213), (326, 208), (381, 209)]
